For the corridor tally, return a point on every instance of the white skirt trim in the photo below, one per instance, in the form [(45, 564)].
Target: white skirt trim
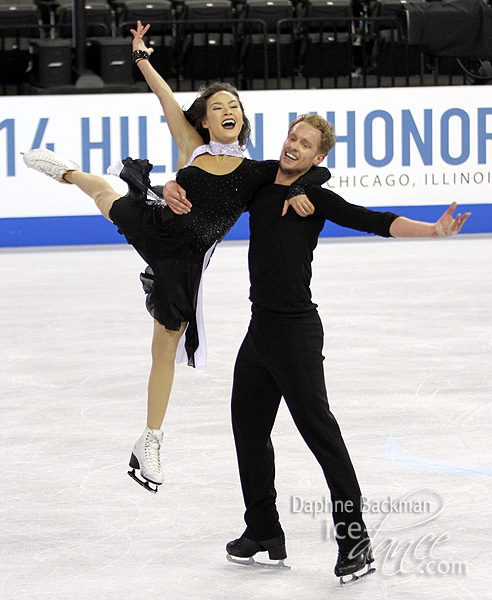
[(201, 351)]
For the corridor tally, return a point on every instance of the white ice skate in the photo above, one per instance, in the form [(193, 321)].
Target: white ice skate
[(146, 457), (49, 163)]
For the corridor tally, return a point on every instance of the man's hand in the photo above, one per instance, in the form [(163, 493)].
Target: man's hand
[(175, 197), (300, 204), (447, 225)]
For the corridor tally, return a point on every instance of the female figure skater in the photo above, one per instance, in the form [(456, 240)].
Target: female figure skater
[(220, 183)]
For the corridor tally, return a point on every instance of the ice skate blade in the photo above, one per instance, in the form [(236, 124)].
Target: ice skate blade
[(354, 578), (144, 483), (251, 562)]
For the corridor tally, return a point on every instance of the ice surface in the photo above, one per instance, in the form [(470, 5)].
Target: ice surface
[(408, 346)]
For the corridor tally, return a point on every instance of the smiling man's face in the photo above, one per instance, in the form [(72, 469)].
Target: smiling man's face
[(301, 149)]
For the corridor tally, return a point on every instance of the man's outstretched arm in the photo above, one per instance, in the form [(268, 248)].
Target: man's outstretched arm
[(447, 225)]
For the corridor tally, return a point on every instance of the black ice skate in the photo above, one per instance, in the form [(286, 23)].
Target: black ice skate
[(349, 563), (244, 548)]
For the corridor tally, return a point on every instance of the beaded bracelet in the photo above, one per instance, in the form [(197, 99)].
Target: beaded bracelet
[(139, 55)]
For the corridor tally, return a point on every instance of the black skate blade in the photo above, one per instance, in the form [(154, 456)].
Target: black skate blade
[(144, 483), (251, 562), (354, 578)]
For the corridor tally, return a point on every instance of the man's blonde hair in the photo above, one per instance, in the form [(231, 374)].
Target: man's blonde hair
[(328, 138)]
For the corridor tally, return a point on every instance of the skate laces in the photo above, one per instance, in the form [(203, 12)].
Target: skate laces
[(53, 160), (152, 450), (48, 158)]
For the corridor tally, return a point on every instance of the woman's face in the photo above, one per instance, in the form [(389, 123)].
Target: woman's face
[(224, 118)]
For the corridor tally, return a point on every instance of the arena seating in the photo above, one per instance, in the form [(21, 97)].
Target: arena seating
[(19, 22), (309, 43)]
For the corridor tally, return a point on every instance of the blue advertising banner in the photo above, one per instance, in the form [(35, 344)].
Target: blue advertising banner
[(409, 150)]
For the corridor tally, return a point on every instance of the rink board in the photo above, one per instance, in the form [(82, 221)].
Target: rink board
[(95, 229), (412, 151)]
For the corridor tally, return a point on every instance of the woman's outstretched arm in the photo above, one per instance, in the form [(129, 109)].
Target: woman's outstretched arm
[(183, 133)]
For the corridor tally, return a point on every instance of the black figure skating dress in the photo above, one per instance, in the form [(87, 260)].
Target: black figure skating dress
[(177, 248)]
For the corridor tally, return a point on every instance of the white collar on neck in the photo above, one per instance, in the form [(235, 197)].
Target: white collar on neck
[(216, 149), (219, 147)]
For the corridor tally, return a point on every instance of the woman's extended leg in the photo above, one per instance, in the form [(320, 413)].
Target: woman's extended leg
[(96, 187), (164, 345), (146, 452), (65, 170)]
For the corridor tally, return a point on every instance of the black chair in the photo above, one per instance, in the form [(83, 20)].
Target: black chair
[(161, 36), (206, 15), (211, 56), (268, 38), (147, 11), (47, 11), (163, 42), (392, 55), (15, 14), (327, 39), (98, 18), (51, 63), (207, 39), (19, 22), (336, 14), (268, 11)]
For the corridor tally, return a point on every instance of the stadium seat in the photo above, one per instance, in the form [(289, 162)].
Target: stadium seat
[(269, 37), (207, 40), (19, 22), (326, 47), (146, 11), (99, 18)]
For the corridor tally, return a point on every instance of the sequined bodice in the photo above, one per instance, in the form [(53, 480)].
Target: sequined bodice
[(217, 201)]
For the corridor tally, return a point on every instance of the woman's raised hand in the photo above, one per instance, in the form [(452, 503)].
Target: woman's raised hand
[(138, 43)]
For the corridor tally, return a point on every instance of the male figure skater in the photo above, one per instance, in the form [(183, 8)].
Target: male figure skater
[(281, 355)]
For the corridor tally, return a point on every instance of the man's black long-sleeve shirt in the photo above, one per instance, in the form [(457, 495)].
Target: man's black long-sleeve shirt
[(281, 248)]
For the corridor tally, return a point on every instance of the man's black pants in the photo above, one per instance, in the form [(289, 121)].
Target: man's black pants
[(281, 355)]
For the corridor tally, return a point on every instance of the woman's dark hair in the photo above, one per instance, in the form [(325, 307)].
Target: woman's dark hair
[(198, 111)]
